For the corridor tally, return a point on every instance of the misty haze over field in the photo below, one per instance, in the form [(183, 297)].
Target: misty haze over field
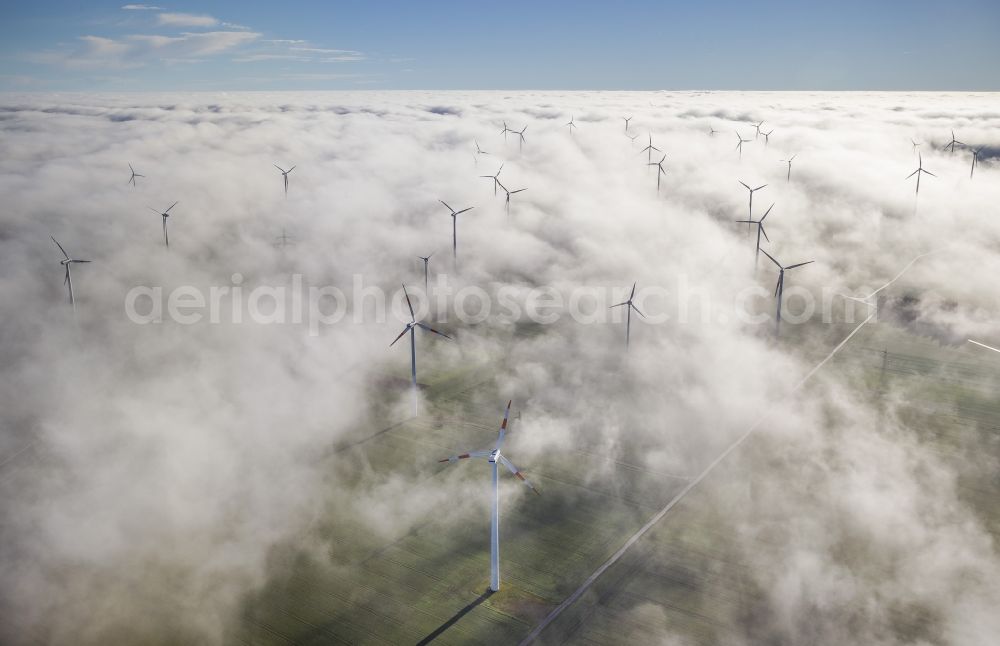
[(153, 473)]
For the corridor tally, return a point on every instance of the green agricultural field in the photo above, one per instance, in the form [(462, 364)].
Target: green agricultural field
[(686, 577)]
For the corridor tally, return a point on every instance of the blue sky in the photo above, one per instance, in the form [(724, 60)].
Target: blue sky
[(767, 45)]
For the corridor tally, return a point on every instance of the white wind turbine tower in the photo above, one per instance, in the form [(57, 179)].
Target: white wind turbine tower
[(493, 457), (411, 328), (66, 262)]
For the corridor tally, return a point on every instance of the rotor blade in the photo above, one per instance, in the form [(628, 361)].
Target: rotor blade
[(279, 168), (912, 174), (446, 205), (747, 187), (930, 173), (777, 285), (79, 261), (510, 466), (172, 206), (290, 169), (772, 259), (405, 330), (60, 247), (470, 454), (618, 305), (799, 264), (761, 226), (633, 291), (637, 310), (464, 210), (430, 329), (766, 212), (760, 187), (408, 304), (503, 426), (518, 190)]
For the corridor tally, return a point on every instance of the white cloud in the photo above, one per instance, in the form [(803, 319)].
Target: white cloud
[(186, 20), (141, 7), (179, 460)]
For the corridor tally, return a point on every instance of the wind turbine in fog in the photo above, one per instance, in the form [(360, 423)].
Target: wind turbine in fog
[(283, 240), (757, 126), (752, 191), (779, 289), (520, 141), (505, 131), (659, 173), (975, 160), (788, 161), (760, 230), (649, 150), (284, 174), (509, 193), (411, 328), (712, 131), (767, 137), (426, 259), (916, 144), (493, 457), (131, 180), (454, 229), (920, 170), (479, 151), (495, 178), (165, 215), (629, 306), (627, 119), (951, 144), (571, 125), (66, 262), (740, 142), (632, 138)]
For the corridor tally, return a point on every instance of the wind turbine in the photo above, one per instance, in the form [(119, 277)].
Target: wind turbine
[(571, 125), (411, 328), (628, 321), (760, 230), (975, 160), (951, 144), (520, 141), (649, 150), (740, 142), (767, 137), (283, 240), (919, 171), (632, 138), (627, 119), (505, 131), (752, 191), (712, 131), (493, 457), (659, 173), (426, 259), (495, 178), (66, 262), (779, 289), (757, 126), (788, 161), (916, 144), (131, 180), (479, 151), (509, 193), (165, 215), (454, 229), (284, 174)]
